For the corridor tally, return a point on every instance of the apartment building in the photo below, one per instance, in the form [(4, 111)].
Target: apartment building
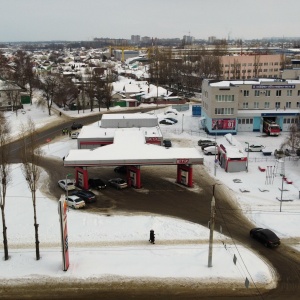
[(250, 66), (242, 105)]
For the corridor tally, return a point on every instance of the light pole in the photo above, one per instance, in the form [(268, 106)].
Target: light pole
[(182, 123), (247, 156), (211, 228), (282, 179)]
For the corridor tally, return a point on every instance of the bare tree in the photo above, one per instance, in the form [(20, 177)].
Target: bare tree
[(31, 154), (49, 86), (5, 138)]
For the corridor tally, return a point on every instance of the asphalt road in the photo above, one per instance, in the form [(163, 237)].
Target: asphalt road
[(161, 196)]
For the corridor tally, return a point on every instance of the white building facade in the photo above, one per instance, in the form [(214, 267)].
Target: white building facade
[(236, 106)]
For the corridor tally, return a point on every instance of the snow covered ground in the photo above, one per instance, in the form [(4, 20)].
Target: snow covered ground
[(115, 247)]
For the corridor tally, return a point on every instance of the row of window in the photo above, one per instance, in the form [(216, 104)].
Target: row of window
[(237, 71), (250, 64), (224, 98), (267, 93), (245, 121), (224, 111), (290, 120), (267, 105)]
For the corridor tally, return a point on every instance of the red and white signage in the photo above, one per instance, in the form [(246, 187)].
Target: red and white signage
[(62, 211), (182, 161)]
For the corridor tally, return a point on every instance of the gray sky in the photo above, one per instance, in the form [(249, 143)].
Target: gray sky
[(37, 20)]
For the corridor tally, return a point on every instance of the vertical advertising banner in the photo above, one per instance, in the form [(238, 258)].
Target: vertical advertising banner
[(62, 211), (223, 124)]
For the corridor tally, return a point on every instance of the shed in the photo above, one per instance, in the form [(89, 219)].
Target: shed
[(231, 155)]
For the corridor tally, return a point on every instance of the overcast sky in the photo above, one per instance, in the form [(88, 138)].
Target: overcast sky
[(37, 20)]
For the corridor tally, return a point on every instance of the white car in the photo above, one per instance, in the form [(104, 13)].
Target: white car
[(255, 148), (67, 184), (210, 150), (74, 135), (75, 202)]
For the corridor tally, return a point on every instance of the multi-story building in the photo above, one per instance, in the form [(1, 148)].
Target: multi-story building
[(236, 106), (135, 39), (250, 66)]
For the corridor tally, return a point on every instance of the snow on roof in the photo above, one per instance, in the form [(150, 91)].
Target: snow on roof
[(233, 148), (128, 116), (226, 83), (130, 149)]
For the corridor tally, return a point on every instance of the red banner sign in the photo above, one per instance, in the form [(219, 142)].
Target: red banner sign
[(223, 124)]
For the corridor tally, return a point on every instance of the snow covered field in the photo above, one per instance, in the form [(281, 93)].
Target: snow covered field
[(113, 247)]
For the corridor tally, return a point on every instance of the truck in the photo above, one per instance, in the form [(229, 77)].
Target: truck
[(271, 128)]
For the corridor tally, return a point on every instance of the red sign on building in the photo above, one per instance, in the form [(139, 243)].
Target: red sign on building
[(223, 124)]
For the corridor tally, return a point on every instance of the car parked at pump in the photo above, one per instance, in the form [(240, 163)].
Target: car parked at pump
[(265, 236), (75, 202), (118, 183), (66, 184), (120, 169), (96, 183), (87, 196)]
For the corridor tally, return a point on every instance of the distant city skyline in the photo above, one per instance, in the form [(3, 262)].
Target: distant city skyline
[(74, 20)]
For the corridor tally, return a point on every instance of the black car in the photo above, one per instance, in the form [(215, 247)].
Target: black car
[(167, 143), (87, 196), (202, 142), (96, 183), (121, 169), (208, 144), (172, 119), (75, 126), (166, 122), (265, 236)]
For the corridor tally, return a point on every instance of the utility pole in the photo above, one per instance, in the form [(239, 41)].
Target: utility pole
[(211, 227)]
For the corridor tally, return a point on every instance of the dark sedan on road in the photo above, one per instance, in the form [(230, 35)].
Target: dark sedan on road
[(265, 236)]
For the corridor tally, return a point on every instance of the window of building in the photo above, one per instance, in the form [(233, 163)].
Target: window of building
[(268, 93), (265, 64), (244, 64), (249, 64), (267, 105), (289, 92), (298, 104), (277, 105), (256, 93), (276, 63), (260, 64), (246, 93), (298, 93), (278, 93), (256, 104), (245, 105), (266, 70), (288, 104)]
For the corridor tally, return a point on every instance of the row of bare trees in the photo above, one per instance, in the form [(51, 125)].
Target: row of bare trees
[(185, 67), (30, 157)]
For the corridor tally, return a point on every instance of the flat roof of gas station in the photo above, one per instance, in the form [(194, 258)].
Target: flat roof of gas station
[(130, 148)]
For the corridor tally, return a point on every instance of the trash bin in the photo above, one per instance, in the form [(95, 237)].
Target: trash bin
[(152, 236)]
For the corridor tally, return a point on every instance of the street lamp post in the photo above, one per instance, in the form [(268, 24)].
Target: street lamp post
[(182, 123), (247, 156), (282, 179)]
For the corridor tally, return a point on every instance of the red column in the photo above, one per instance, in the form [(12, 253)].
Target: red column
[(178, 180), (190, 179), (83, 173)]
